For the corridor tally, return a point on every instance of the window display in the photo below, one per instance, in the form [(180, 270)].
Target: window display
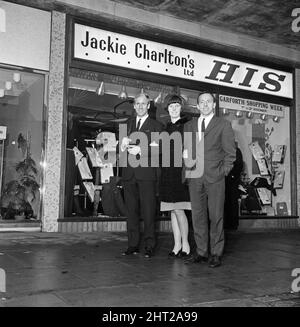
[(262, 133), (21, 144)]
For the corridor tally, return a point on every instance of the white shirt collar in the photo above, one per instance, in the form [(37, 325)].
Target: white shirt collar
[(142, 119), (207, 119)]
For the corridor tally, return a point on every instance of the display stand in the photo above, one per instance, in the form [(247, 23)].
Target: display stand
[(102, 170), (269, 162), (97, 192), (85, 174)]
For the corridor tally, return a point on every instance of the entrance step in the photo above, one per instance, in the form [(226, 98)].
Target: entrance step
[(111, 224)]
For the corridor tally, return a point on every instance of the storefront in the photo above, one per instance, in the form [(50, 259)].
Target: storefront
[(96, 68), (107, 69), (23, 101)]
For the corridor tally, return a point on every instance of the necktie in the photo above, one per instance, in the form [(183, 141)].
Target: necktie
[(138, 124), (203, 126)]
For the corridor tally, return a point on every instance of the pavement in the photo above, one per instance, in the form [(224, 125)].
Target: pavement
[(88, 270)]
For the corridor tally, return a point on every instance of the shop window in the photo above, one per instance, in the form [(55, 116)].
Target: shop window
[(262, 134), (21, 144), (97, 104)]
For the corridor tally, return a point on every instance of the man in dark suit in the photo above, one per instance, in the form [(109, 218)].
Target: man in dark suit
[(140, 175), (209, 153)]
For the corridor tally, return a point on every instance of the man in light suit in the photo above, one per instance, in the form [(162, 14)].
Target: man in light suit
[(209, 153), (140, 175)]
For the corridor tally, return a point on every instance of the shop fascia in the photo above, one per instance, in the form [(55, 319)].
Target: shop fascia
[(101, 46)]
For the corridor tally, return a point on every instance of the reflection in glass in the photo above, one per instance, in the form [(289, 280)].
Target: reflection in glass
[(21, 115)]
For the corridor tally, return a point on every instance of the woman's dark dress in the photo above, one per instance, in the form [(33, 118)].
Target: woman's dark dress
[(173, 193)]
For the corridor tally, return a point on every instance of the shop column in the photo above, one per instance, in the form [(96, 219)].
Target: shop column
[(52, 186)]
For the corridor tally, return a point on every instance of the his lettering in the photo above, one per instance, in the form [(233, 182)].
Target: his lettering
[(248, 77), (271, 81), (268, 80), (217, 69)]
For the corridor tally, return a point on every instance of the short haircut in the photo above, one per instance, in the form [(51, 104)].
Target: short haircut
[(174, 98), (142, 94), (206, 92)]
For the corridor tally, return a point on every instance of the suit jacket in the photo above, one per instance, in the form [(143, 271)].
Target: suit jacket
[(149, 141), (213, 156)]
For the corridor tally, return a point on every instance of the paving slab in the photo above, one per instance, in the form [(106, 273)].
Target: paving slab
[(87, 269)]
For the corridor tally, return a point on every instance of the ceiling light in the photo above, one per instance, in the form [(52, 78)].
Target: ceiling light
[(8, 85), (276, 119), (225, 111), (239, 114), (185, 97), (158, 99), (100, 89), (249, 114), (17, 77), (263, 116), (123, 94)]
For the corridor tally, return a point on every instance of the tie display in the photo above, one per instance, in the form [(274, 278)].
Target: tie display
[(203, 126), (138, 124)]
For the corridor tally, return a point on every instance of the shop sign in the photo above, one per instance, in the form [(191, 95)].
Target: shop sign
[(116, 49), (258, 107)]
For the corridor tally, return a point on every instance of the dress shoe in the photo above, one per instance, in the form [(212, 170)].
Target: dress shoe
[(215, 261), (131, 250), (195, 259), (172, 254), (184, 255), (149, 252)]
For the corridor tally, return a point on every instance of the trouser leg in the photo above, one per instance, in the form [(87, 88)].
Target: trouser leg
[(131, 196), (216, 196), (198, 199), (147, 196)]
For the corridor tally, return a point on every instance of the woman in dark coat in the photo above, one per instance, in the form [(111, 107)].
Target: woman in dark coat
[(174, 194)]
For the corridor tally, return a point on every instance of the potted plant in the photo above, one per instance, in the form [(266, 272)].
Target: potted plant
[(19, 193)]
